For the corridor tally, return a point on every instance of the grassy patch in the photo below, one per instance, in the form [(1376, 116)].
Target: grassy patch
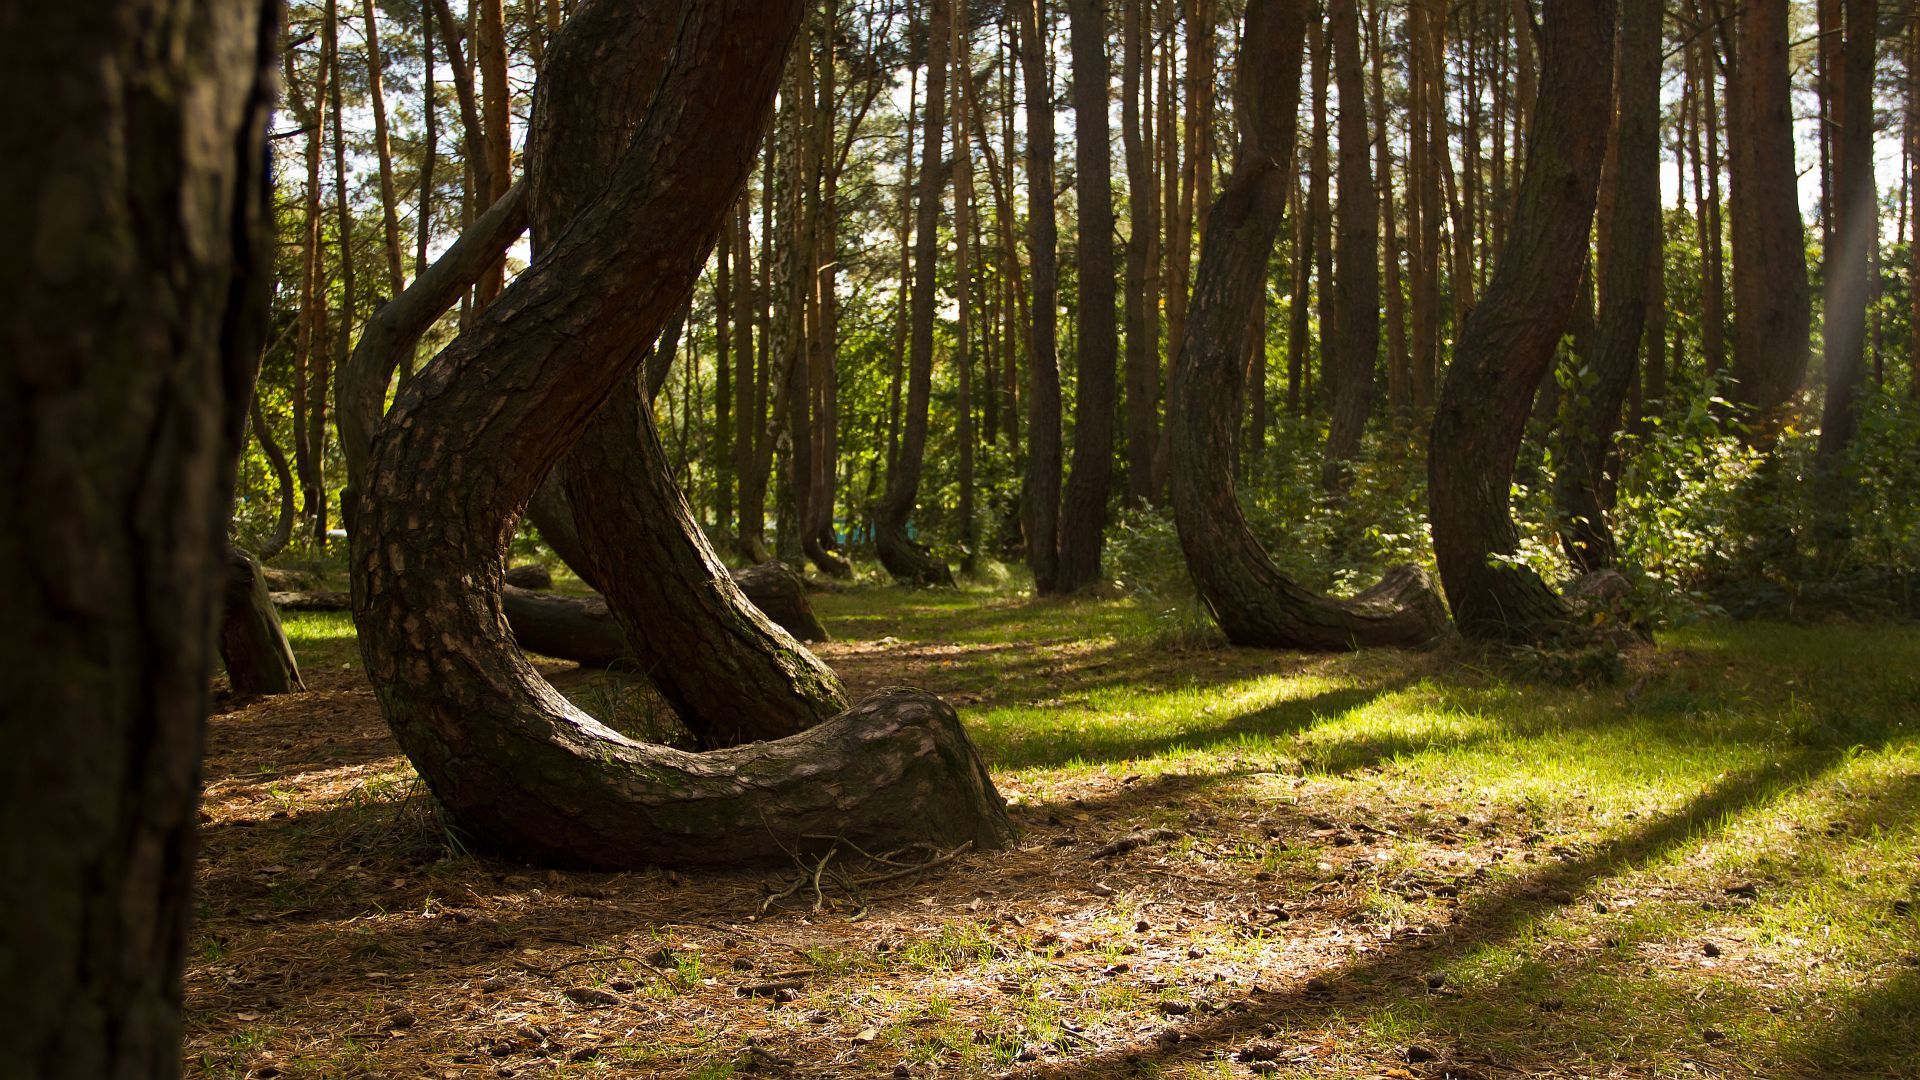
[(1341, 866)]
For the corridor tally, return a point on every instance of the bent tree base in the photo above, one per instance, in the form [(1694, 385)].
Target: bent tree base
[(1254, 603), (895, 769)]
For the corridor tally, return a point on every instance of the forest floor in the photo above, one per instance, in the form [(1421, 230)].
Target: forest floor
[(1232, 863)]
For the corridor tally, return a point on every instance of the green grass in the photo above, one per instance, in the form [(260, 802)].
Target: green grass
[(1750, 787)]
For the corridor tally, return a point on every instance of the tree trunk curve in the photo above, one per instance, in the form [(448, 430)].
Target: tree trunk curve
[(1254, 603)]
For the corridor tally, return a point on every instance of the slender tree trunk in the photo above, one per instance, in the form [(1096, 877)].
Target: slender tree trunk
[(1849, 270), (1510, 340), (310, 340), (1399, 371), (904, 558), (1043, 387), (1357, 352), (343, 331), (282, 477), (1320, 214), (490, 54), (723, 363), (383, 151), (130, 332), (1300, 309), (750, 540), (429, 155), (1585, 454), (1083, 510), (1770, 300), (963, 287), (1254, 602), (1143, 352)]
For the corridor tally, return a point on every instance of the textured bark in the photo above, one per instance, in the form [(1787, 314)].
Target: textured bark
[(496, 96), (730, 674), (1771, 315), (1253, 601), (132, 314), (1510, 339), (1585, 451), (253, 646), (909, 561), (516, 766), (391, 334), (1356, 351), (1849, 269), (1043, 364), (1143, 250), (1083, 507)]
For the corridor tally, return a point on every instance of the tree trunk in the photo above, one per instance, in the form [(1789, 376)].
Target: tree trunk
[(1849, 271), (1255, 603), (383, 151), (516, 767), (1399, 371), (349, 306), (907, 560), (963, 227), (1083, 509), (1771, 317), (1585, 455), (1320, 218), (283, 479), (133, 317), (730, 674), (1143, 338), (1357, 351), (1043, 373), (496, 96), (1510, 339), (253, 646)]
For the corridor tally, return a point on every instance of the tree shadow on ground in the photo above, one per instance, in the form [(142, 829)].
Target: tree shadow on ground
[(1497, 915)]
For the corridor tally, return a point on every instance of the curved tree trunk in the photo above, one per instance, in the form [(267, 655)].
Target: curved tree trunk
[(1510, 338), (515, 765), (1254, 602), (1083, 509), (253, 645), (131, 326), (1042, 497), (907, 560), (282, 476), (1585, 454), (731, 674)]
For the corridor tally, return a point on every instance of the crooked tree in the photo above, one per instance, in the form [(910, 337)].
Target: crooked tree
[(516, 766), (1510, 337), (1253, 601)]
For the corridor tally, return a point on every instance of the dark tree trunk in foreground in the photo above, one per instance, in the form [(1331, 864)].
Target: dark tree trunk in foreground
[(131, 321), (514, 764), (1510, 338), (1083, 510), (731, 674), (1585, 453), (1771, 317), (1042, 497), (1254, 602), (253, 646), (904, 558), (1349, 360)]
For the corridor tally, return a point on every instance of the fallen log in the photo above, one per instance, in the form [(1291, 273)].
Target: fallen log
[(253, 645)]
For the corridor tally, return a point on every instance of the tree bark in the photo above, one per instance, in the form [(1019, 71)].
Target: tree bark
[(132, 317), (383, 151), (1143, 337), (1849, 271), (963, 228), (1510, 338), (1771, 317), (1254, 603), (253, 645), (1357, 288), (1083, 509), (730, 674), (1043, 365), (1585, 451), (516, 767), (907, 560)]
